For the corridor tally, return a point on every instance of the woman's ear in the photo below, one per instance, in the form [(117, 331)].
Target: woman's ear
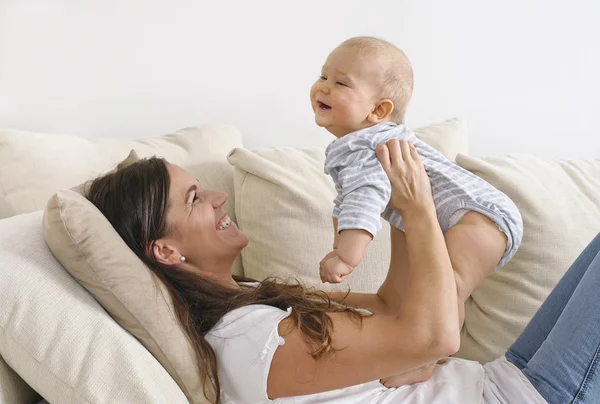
[(165, 253), (381, 111)]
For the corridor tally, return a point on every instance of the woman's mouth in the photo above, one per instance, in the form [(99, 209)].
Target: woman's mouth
[(223, 224)]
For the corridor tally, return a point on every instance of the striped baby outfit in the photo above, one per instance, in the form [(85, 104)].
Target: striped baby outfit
[(363, 189)]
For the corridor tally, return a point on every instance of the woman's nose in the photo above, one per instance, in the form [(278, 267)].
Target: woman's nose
[(218, 199)]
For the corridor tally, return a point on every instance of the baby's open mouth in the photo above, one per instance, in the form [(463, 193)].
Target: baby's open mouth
[(323, 106)]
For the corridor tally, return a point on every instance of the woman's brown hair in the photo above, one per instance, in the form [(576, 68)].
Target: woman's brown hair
[(135, 201)]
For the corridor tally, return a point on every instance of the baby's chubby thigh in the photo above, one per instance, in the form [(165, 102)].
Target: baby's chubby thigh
[(475, 247)]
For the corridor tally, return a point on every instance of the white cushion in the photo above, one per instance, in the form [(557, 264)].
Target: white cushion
[(37, 165), (560, 205), (13, 389), (59, 339), (284, 203)]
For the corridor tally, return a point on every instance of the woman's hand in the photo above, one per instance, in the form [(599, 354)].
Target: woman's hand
[(410, 185)]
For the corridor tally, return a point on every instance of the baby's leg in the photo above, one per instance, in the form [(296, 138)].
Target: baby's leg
[(475, 245)]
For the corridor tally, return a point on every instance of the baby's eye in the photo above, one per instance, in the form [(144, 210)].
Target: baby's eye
[(321, 77), (341, 84)]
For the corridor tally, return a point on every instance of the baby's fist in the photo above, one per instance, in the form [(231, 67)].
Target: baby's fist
[(332, 269)]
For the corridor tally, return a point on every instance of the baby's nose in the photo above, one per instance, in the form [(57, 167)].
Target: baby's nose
[(324, 87)]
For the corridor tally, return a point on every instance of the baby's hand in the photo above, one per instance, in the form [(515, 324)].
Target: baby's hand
[(332, 269)]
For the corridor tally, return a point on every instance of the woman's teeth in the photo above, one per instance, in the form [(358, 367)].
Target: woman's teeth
[(225, 223)]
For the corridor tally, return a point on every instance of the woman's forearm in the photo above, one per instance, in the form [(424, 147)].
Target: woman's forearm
[(420, 281)]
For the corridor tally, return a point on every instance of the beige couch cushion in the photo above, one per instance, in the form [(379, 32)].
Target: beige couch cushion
[(560, 205), (284, 202), (36, 165), (13, 389), (58, 339), (92, 251)]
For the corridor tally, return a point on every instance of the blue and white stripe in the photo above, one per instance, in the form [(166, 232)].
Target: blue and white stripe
[(363, 189)]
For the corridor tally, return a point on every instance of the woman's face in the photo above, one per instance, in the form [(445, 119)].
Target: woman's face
[(200, 229)]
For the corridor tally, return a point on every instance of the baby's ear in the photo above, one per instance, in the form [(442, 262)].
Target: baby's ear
[(381, 111)]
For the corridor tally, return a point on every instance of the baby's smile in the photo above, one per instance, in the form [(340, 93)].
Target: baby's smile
[(322, 106)]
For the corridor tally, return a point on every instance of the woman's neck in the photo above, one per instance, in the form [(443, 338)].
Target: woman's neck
[(224, 279)]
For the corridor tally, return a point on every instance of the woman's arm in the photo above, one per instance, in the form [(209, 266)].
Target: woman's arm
[(421, 330)]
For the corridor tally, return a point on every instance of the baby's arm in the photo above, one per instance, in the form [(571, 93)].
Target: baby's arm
[(366, 192), (348, 250), (352, 246), (336, 236)]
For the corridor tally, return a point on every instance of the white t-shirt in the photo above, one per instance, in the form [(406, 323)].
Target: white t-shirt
[(246, 339)]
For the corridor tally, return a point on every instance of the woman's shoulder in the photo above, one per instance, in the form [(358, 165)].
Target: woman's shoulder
[(244, 341)]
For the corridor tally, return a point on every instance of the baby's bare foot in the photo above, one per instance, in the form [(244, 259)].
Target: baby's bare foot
[(418, 375)]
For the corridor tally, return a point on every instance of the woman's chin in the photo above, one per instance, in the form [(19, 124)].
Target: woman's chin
[(232, 233)]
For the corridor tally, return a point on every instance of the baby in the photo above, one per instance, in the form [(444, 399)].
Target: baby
[(361, 98)]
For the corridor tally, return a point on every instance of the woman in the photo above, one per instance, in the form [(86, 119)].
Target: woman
[(271, 342)]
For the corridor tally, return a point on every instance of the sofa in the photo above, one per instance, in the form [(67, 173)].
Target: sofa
[(77, 327)]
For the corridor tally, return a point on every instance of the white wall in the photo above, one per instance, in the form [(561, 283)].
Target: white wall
[(523, 73)]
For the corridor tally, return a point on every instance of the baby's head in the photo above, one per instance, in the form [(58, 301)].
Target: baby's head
[(363, 82)]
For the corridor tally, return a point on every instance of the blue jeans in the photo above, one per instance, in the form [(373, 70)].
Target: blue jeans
[(559, 350)]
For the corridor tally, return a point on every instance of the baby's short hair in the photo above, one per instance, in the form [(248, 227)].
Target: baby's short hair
[(398, 81)]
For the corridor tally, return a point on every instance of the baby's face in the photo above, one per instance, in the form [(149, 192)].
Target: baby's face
[(347, 91)]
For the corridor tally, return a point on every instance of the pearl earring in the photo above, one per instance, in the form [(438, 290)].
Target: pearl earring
[(182, 258)]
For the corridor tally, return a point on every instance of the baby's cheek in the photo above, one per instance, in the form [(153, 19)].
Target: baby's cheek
[(347, 110)]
